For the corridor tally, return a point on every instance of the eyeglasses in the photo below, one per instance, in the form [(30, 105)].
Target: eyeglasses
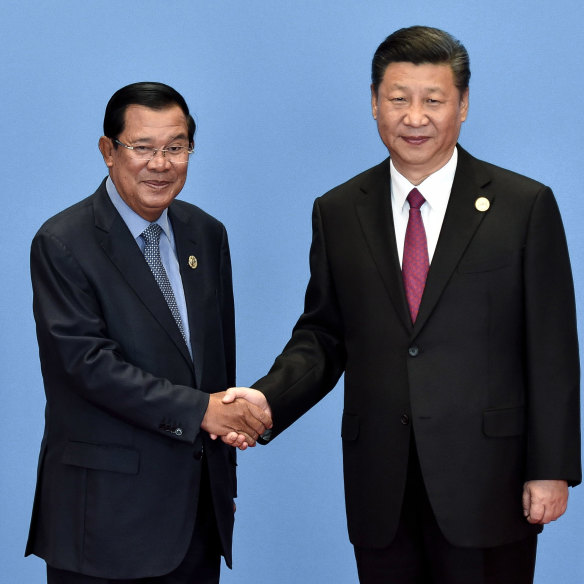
[(175, 154)]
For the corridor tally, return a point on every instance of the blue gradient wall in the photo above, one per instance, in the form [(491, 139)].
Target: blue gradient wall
[(280, 91)]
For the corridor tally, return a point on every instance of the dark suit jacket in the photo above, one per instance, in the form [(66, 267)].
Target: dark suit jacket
[(120, 460), (487, 379)]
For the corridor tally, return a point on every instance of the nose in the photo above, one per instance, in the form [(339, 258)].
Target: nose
[(159, 161), (416, 115)]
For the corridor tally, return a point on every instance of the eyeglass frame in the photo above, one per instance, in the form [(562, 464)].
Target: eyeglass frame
[(155, 151)]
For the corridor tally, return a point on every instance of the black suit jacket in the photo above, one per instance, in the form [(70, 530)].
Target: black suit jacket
[(120, 460), (487, 379)]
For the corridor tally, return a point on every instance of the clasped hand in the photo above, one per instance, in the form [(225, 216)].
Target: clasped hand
[(239, 416)]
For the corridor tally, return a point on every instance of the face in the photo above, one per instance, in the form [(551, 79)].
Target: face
[(419, 111), (147, 187)]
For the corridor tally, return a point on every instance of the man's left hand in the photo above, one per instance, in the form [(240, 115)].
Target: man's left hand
[(544, 501)]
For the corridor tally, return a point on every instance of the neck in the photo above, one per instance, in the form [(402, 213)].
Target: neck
[(417, 175)]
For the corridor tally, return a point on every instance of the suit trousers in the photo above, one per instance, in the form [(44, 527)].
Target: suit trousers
[(420, 554), (201, 564)]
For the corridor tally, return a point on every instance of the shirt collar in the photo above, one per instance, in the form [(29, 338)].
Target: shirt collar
[(135, 223), (435, 189)]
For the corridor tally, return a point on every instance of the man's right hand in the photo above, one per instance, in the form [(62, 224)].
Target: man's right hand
[(253, 396), (235, 417)]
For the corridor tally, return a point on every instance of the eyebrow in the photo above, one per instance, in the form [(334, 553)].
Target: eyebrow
[(181, 136), (430, 89)]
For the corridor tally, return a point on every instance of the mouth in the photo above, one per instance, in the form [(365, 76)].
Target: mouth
[(156, 184), (415, 140)]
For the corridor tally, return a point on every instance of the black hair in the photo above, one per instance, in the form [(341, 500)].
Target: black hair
[(148, 94), (422, 45)]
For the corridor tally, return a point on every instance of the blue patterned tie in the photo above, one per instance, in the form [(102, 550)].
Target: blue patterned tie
[(151, 237), (415, 262)]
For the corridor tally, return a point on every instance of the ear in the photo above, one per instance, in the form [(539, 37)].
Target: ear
[(373, 102), (464, 105), (106, 147)]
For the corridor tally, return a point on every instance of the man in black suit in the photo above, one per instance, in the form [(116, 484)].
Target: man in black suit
[(441, 286), (134, 311)]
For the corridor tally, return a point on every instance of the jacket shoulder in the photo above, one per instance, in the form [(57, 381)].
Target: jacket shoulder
[(497, 175), (70, 221), (190, 212), (375, 175)]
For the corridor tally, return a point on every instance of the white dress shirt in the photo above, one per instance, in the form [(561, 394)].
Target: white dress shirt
[(435, 189)]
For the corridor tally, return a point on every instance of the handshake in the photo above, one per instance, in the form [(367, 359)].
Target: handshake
[(238, 416)]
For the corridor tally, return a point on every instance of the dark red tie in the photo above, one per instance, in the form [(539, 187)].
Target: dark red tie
[(415, 261)]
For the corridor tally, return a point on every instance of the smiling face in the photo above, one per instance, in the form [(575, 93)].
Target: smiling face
[(147, 187), (419, 112)]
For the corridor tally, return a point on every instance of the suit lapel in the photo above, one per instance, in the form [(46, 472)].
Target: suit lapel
[(192, 274), (119, 245), (373, 209), (461, 221)]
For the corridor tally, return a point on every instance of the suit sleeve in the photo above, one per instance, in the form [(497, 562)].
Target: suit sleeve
[(78, 355), (553, 373), (227, 310), (313, 360)]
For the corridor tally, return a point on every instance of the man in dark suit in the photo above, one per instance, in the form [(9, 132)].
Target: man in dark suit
[(441, 286), (134, 311)]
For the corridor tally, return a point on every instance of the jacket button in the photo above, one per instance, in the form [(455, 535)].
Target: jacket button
[(198, 454), (178, 432), (405, 419), (413, 351)]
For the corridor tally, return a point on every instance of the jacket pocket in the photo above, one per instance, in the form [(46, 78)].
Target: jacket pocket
[(350, 427), (504, 422), (485, 265), (106, 457)]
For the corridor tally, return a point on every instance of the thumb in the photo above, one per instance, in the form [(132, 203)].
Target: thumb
[(232, 394)]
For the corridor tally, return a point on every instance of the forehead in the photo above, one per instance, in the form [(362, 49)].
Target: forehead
[(143, 121), (429, 76)]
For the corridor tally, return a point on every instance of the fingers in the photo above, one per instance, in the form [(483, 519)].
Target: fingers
[(241, 441), (526, 501), (257, 412), (253, 421), (533, 510), (536, 513)]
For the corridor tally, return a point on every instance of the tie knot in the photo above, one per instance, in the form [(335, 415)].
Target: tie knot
[(152, 233), (415, 199)]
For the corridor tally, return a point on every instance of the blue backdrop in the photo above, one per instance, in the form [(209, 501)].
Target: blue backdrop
[(280, 91)]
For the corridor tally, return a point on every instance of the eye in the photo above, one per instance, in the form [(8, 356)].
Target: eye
[(174, 149), (142, 149)]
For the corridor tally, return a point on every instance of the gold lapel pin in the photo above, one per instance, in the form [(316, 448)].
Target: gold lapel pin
[(193, 263), (482, 204)]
